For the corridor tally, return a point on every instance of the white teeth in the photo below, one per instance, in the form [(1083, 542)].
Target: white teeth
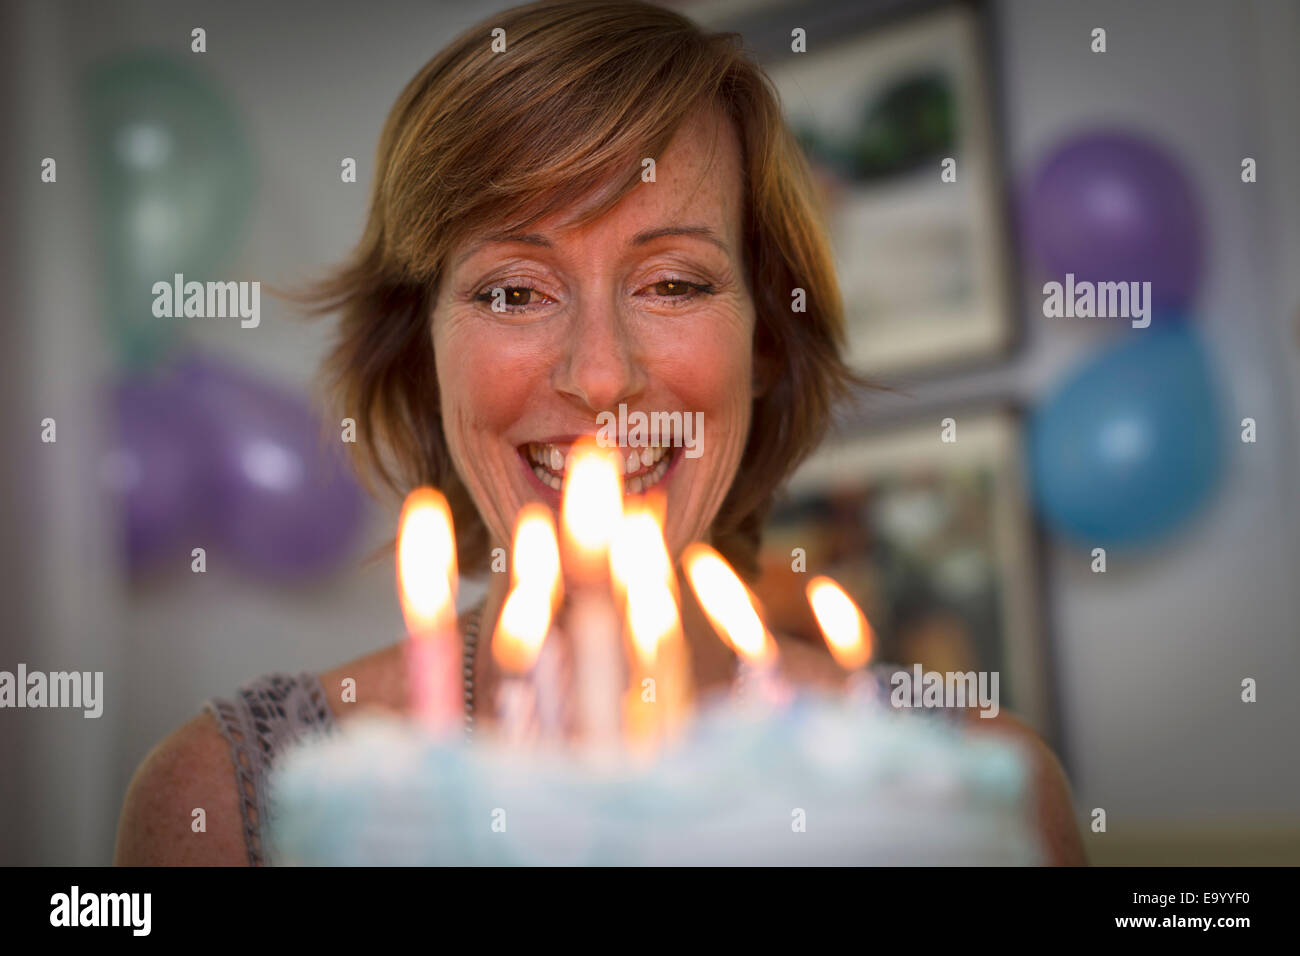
[(548, 463), (656, 473), (546, 477)]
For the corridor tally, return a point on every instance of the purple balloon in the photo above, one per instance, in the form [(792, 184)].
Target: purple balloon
[(282, 496), (154, 466), (1113, 207)]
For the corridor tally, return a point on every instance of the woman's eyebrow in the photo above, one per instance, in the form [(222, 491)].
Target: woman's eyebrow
[(532, 238), (702, 232), (640, 239)]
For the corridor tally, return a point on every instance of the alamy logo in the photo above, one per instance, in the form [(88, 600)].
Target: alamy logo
[(83, 689), (102, 909), (208, 300), (1099, 300), (641, 429), (919, 688)]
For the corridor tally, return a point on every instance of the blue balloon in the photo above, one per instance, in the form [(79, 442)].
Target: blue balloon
[(1129, 446)]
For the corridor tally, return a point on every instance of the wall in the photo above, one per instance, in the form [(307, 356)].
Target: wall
[(1149, 656)]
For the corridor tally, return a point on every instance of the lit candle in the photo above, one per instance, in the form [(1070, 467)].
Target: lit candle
[(847, 633), (523, 629), (637, 548), (535, 556), (656, 700), (540, 554), (551, 682), (516, 643), (591, 509), (730, 609), (426, 585)]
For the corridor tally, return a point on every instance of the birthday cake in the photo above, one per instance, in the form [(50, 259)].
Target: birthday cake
[(597, 758), (826, 780)]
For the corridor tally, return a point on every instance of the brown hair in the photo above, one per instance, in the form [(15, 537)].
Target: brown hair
[(583, 91)]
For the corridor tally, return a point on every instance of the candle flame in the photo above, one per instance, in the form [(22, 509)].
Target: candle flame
[(426, 563), (592, 506), (727, 603), (637, 551), (526, 616), (643, 573), (521, 630), (651, 622), (535, 558), (842, 623)]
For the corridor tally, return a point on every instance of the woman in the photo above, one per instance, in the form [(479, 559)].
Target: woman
[(609, 211)]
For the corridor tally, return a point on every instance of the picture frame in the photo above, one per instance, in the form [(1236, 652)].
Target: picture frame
[(881, 99), (935, 541)]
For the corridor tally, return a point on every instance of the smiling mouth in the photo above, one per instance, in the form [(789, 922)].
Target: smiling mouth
[(643, 468)]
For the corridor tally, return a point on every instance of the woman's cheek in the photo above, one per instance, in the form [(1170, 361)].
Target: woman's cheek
[(717, 338), (712, 372), (485, 381)]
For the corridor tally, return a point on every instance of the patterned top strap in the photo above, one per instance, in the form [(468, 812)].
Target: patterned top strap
[(265, 716)]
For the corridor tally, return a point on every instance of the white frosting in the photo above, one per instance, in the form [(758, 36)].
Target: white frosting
[(872, 786)]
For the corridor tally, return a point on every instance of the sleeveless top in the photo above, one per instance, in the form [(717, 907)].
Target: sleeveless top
[(265, 716), (277, 711)]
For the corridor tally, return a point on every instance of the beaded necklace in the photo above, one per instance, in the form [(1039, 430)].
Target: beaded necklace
[(470, 655)]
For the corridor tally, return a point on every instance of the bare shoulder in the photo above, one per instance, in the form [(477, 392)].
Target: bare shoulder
[(1053, 804), (193, 769), (189, 770), (378, 679)]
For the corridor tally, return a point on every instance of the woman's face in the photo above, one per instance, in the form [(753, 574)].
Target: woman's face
[(647, 307)]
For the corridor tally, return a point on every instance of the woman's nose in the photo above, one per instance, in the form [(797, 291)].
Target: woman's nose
[(601, 365)]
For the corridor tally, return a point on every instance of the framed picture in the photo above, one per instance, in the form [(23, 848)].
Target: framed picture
[(933, 539), (897, 119)]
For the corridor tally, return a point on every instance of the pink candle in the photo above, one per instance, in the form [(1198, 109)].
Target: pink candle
[(426, 586), (599, 668), (524, 626), (592, 508), (551, 681), (515, 643), (656, 702)]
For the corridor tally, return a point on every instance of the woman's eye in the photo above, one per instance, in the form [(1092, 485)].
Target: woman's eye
[(509, 298), (678, 289), (519, 298)]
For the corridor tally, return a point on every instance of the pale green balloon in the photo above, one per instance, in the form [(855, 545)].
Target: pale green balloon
[(176, 181)]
